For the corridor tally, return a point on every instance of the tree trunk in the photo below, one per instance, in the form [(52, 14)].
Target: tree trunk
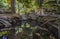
[(13, 6), (40, 11), (59, 31), (11, 34)]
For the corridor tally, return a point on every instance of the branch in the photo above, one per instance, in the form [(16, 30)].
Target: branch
[(7, 29), (53, 25), (43, 29), (47, 22)]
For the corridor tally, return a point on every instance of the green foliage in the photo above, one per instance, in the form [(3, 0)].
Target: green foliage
[(4, 5), (3, 33), (51, 5), (1, 4), (26, 5)]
